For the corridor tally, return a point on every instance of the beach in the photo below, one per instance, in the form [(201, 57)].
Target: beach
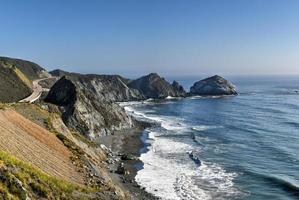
[(125, 148)]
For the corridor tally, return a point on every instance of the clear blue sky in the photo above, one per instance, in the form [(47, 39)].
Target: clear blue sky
[(173, 37)]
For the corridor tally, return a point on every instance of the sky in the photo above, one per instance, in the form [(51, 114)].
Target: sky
[(170, 37)]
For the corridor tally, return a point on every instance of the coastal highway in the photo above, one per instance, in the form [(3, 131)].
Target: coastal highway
[(37, 91)]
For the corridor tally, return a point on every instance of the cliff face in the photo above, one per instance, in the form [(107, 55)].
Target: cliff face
[(111, 88), (87, 103), (215, 85), (154, 86)]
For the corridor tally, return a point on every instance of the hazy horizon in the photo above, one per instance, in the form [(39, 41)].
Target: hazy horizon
[(172, 38)]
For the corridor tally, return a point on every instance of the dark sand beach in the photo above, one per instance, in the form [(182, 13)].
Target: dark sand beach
[(127, 144)]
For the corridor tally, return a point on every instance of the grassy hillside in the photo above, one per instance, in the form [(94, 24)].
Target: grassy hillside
[(20, 180), (14, 85), (31, 70), (16, 78)]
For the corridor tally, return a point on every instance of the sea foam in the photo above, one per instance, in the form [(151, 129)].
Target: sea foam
[(168, 172)]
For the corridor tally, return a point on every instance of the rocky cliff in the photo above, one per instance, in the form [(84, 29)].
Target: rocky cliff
[(87, 103), (111, 88), (154, 86), (215, 85)]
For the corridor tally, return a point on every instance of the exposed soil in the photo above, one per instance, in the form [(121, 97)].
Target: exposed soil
[(34, 144)]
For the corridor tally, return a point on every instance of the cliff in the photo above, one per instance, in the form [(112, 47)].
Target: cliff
[(87, 103)]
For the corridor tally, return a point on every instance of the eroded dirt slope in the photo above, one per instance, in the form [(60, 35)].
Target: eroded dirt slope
[(32, 143)]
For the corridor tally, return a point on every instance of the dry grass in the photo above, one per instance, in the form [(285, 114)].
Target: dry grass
[(22, 77), (37, 183), (32, 143)]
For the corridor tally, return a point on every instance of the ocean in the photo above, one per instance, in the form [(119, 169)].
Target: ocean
[(233, 147)]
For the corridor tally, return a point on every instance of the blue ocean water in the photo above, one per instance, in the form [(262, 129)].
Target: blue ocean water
[(248, 145)]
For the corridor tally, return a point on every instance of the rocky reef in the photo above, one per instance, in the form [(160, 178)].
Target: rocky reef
[(156, 87), (215, 85)]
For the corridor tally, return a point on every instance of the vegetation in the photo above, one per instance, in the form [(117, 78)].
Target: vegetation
[(84, 139), (15, 174), (46, 187), (29, 69), (12, 87), (22, 77)]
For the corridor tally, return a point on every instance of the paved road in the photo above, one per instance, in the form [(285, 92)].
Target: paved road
[(37, 91)]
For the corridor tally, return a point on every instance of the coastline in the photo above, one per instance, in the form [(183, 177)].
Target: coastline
[(127, 143)]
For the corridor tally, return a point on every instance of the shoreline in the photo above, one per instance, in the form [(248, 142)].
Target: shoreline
[(126, 147)]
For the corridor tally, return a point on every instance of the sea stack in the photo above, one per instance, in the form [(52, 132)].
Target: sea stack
[(213, 86)]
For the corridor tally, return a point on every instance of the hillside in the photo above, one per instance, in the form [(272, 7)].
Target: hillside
[(16, 78), (31, 143), (41, 158), (31, 70), (12, 87)]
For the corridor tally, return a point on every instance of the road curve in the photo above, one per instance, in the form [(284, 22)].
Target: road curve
[(37, 91)]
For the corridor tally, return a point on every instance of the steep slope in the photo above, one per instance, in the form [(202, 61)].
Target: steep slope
[(59, 164), (31, 70), (12, 87), (154, 86), (87, 103), (108, 87), (31, 143), (16, 78)]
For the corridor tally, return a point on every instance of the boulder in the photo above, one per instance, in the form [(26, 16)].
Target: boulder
[(128, 157), (213, 86)]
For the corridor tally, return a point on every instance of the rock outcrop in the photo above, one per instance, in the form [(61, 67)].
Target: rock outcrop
[(156, 87), (87, 103), (177, 87), (215, 85)]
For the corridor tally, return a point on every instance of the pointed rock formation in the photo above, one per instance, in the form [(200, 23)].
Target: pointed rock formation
[(156, 87)]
